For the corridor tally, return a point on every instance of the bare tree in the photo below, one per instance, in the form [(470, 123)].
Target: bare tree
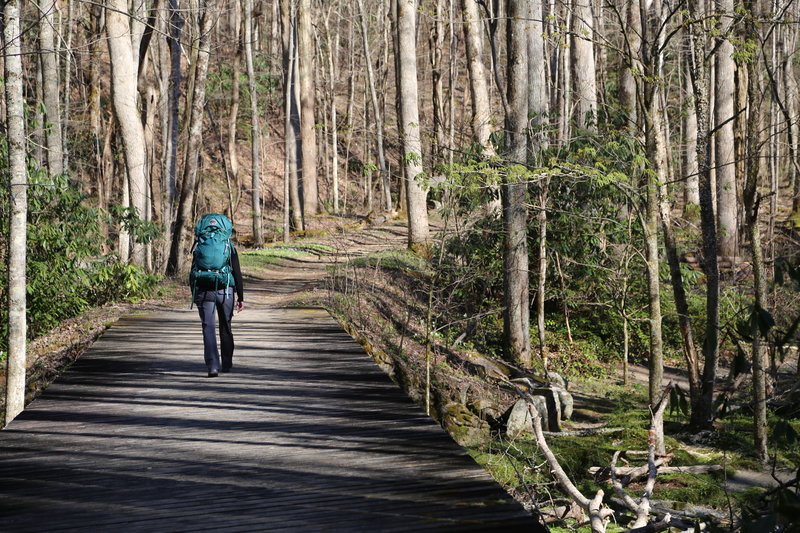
[(124, 80), (583, 64), (50, 88), (18, 174), (754, 146), (725, 163), (703, 403), (305, 64), (416, 191), (255, 128), (377, 114), (691, 200), (206, 20), (515, 247), (479, 91), (292, 134)]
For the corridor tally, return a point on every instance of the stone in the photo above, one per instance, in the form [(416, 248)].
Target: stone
[(566, 401), (465, 427), (556, 379), (519, 419), (553, 406), (485, 409)]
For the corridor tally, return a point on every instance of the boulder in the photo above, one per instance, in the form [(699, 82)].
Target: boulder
[(566, 401), (519, 419), (553, 404), (466, 428)]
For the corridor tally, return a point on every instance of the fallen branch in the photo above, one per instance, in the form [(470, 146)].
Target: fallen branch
[(642, 507), (632, 473), (653, 527), (582, 432), (598, 515)]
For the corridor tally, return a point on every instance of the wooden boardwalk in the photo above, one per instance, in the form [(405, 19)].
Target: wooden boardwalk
[(306, 434)]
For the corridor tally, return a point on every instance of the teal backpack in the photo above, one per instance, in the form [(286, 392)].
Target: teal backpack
[(211, 254)]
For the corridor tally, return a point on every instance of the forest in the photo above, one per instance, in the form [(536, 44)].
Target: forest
[(587, 186)]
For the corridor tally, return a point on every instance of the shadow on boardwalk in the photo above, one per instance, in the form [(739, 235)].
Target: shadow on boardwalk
[(306, 434)]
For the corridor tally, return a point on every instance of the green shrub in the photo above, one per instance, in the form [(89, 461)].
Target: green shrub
[(67, 269)]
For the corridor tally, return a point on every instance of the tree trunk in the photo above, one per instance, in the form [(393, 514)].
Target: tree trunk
[(655, 153), (333, 50), (703, 404), (479, 91), (689, 156), (124, 81), (754, 144), (583, 65), (289, 141), (17, 240), (50, 88), (725, 162), (305, 63), (67, 27), (631, 32), (416, 192), (255, 128), (206, 20), (233, 117), (93, 36), (436, 50), (515, 249), (289, 36), (376, 111), (538, 100), (174, 96)]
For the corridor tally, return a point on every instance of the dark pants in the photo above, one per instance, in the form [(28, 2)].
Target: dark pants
[(209, 304)]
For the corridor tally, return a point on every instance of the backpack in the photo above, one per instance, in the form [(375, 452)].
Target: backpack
[(211, 254)]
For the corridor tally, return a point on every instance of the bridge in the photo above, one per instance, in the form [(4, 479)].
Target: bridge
[(305, 434)]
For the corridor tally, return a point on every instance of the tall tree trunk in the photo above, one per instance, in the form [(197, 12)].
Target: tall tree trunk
[(703, 404), (376, 111), (538, 100), (754, 144), (305, 63), (333, 50), (17, 240), (631, 33), (173, 105), (94, 37), (436, 51), (416, 192), (67, 28), (691, 200), (725, 162), (289, 141), (479, 91), (233, 117), (583, 65), (255, 128), (538, 109), (515, 247), (124, 81), (292, 146), (50, 88), (655, 153), (177, 259)]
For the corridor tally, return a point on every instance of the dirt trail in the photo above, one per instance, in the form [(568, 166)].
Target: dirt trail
[(294, 276)]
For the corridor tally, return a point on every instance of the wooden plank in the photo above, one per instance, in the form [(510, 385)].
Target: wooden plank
[(305, 434)]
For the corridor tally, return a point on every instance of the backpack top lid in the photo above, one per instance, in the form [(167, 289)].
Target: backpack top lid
[(214, 222)]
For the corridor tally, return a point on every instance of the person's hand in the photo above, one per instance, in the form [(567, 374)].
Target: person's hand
[(239, 306)]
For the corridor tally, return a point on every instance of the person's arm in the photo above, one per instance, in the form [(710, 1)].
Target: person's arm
[(237, 276)]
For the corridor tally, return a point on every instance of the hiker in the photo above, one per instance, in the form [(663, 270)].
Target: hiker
[(214, 275)]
